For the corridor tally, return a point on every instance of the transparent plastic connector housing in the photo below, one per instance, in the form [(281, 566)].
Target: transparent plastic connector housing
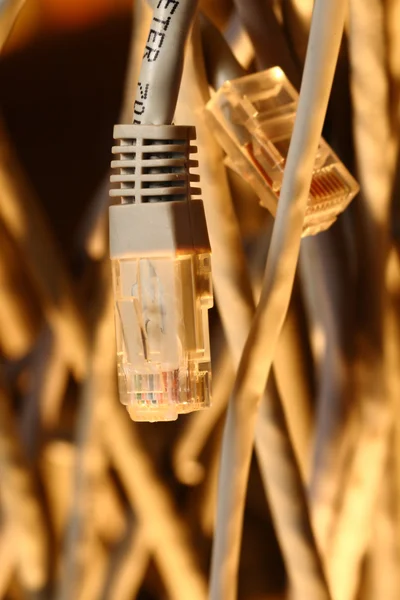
[(162, 334), (253, 118), (161, 264)]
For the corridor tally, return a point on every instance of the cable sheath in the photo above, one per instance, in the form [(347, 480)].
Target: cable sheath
[(162, 63), (323, 48)]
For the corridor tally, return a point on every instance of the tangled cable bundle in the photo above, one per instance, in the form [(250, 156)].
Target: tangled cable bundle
[(251, 218)]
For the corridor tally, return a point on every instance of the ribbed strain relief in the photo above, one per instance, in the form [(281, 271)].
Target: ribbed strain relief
[(153, 163)]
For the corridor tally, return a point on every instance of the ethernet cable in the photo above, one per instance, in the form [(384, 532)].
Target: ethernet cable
[(249, 106), (238, 40), (162, 64), (159, 243), (252, 118), (235, 313), (221, 65), (323, 48)]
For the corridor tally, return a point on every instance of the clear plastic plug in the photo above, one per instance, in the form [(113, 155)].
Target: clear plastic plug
[(253, 118), (161, 312)]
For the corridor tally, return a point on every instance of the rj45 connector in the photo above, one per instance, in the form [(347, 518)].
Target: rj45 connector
[(253, 118), (161, 267)]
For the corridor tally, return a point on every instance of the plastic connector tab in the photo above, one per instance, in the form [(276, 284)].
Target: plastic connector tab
[(161, 265), (253, 118)]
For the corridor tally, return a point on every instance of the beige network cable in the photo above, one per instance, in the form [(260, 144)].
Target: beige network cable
[(162, 64), (232, 297), (325, 36), (159, 244), (236, 304)]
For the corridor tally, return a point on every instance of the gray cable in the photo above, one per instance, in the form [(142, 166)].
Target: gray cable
[(220, 62), (162, 63), (264, 30), (323, 48)]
